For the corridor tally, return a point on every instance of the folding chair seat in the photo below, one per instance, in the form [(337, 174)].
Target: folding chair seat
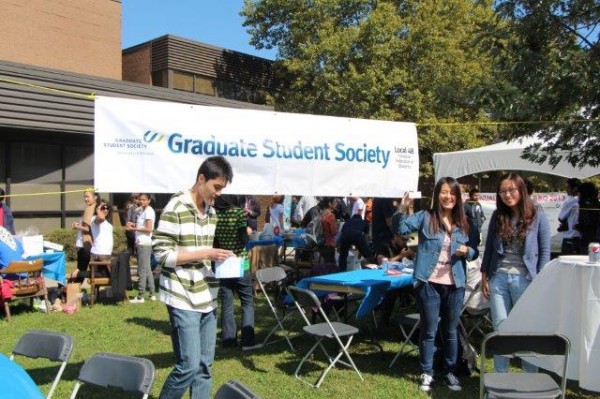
[(305, 299), (108, 370), (234, 390), (276, 276), (520, 384), (49, 345), (409, 321)]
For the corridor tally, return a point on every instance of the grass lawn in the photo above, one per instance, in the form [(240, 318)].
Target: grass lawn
[(143, 330)]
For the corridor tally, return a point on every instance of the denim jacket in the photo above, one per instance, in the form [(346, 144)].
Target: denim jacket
[(537, 246), (430, 246)]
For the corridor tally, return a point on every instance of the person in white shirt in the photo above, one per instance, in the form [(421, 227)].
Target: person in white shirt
[(358, 207), (143, 242), (276, 213), (102, 245), (568, 218), (303, 206)]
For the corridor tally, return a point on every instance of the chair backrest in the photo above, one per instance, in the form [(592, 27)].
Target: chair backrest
[(45, 344), (536, 344), (25, 273), (234, 390), (132, 374), (271, 275), (306, 299)]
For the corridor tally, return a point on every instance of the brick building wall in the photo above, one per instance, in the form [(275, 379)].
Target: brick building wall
[(82, 36), (137, 65)]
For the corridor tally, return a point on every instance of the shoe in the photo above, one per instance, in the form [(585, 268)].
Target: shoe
[(137, 300), (153, 298), (426, 384), (251, 347), (452, 382)]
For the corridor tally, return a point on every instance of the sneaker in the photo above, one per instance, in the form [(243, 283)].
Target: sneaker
[(137, 300), (153, 298), (452, 382), (251, 347), (426, 384)]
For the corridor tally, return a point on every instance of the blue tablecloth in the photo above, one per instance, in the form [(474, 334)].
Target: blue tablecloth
[(15, 382), (54, 265), (374, 283), (274, 241)]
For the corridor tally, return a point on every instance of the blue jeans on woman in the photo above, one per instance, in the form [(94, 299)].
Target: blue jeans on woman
[(505, 291), (194, 336), (438, 303), (243, 287)]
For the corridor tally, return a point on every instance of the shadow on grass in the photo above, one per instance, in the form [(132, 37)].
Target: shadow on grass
[(159, 325)]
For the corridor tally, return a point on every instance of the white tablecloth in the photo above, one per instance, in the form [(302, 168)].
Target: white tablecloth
[(564, 298)]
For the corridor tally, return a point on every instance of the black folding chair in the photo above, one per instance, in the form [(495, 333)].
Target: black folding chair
[(108, 370), (519, 384), (49, 345), (234, 390), (305, 299), (276, 277)]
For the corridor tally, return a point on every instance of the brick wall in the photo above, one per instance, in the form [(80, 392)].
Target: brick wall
[(82, 36), (137, 65)]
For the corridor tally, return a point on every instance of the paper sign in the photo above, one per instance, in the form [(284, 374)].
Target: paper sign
[(229, 268)]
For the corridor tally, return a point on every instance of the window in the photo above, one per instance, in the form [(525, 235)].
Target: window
[(203, 85), (183, 81)]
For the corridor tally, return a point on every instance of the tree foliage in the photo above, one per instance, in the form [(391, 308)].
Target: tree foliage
[(546, 63), (419, 61)]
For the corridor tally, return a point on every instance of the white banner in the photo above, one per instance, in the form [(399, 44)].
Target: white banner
[(157, 147), (551, 203)]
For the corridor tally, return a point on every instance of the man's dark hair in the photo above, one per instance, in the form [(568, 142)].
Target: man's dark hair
[(573, 182), (473, 191), (215, 167)]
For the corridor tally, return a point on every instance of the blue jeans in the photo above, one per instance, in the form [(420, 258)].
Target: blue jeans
[(243, 287), (441, 303), (194, 337), (505, 291)]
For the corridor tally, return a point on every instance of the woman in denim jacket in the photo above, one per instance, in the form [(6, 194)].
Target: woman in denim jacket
[(439, 272), (516, 249)]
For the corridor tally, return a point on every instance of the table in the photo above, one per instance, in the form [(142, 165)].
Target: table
[(54, 265), (564, 298), (15, 381), (372, 283)]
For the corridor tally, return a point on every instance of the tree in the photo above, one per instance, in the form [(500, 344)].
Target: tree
[(394, 60), (546, 61)]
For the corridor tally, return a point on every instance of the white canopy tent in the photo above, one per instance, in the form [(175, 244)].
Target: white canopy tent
[(501, 156)]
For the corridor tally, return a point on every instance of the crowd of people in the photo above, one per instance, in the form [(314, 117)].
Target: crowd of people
[(200, 227)]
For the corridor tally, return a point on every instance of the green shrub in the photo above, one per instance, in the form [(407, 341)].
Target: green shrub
[(66, 238)]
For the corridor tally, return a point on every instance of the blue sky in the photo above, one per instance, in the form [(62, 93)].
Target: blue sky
[(215, 22)]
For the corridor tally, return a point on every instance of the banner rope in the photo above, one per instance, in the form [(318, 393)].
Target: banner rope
[(90, 96), (50, 193)]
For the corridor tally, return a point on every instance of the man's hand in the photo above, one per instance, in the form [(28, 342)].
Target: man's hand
[(218, 254)]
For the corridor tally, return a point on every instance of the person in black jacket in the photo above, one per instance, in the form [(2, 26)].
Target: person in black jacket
[(354, 233)]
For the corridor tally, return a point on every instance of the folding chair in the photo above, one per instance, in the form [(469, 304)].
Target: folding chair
[(519, 384), (412, 321), (476, 308), (108, 370), (276, 276), (234, 390), (330, 330), (49, 345)]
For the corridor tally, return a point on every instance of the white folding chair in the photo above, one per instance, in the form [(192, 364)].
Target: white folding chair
[(49, 345), (306, 299)]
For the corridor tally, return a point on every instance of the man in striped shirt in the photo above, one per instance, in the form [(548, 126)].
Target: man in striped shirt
[(183, 246)]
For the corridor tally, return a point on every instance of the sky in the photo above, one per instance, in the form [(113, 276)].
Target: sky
[(214, 22)]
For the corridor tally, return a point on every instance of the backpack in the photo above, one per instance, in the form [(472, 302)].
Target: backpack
[(315, 229)]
